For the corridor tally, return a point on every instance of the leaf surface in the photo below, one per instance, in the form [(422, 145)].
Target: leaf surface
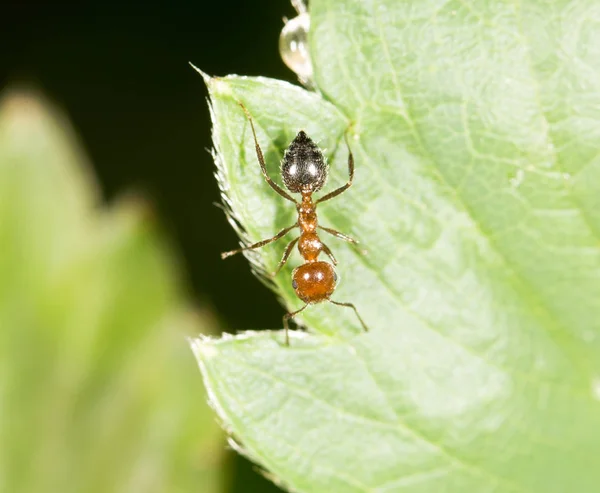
[(475, 130)]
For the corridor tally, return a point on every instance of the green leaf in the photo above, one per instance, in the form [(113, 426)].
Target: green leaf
[(475, 128), (97, 388)]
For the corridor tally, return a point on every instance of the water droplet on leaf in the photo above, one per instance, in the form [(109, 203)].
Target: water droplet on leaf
[(293, 47)]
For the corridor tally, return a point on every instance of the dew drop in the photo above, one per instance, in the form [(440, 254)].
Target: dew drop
[(293, 45)]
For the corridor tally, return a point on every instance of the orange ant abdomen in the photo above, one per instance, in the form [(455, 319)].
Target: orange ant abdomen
[(314, 281)]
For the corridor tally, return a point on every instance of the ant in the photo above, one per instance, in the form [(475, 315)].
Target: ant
[(304, 171)]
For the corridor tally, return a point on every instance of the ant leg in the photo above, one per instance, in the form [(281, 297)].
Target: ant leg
[(286, 254), (344, 237), (328, 252), (339, 235), (261, 161), (345, 187), (283, 232), (350, 305), (286, 317)]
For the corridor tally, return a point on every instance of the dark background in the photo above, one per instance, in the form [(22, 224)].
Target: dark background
[(123, 78)]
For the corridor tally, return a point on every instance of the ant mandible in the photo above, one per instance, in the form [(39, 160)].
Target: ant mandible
[(304, 171)]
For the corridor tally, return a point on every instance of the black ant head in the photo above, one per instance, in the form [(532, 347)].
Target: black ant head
[(303, 167)]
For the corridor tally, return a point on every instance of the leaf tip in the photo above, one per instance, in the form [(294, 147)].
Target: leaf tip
[(24, 110), (207, 78), (216, 85)]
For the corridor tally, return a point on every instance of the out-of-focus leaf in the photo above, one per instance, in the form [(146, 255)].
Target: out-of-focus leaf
[(96, 381)]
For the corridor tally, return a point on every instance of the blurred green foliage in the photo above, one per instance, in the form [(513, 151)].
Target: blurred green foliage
[(98, 389)]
